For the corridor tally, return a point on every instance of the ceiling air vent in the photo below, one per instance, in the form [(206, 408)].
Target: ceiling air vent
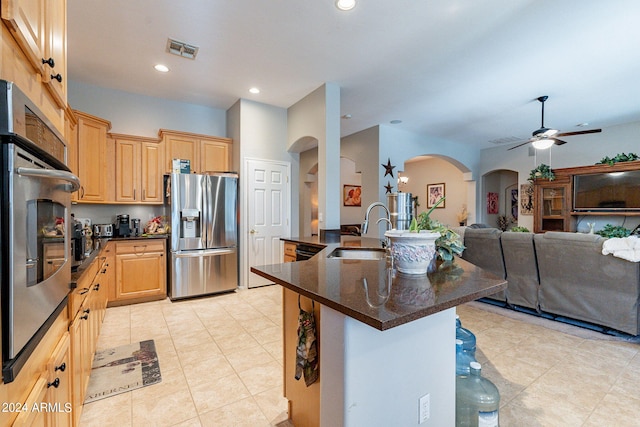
[(182, 49), (505, 140)]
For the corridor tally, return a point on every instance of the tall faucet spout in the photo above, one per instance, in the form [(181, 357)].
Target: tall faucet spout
[(365, 224)]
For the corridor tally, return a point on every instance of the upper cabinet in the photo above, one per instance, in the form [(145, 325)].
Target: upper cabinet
[(40, 27), (206, 153), (92, 158), (139, 166)]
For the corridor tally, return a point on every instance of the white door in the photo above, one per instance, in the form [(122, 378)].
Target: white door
[(268, 208)]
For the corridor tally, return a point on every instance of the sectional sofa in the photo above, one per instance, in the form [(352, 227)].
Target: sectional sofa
[(560, 275)]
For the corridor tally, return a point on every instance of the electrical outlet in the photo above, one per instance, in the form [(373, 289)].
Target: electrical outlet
[(424, 408)]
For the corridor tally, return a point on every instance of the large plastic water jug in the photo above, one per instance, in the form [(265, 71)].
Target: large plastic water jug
[(477, 400), (467, 337), (463, 359)]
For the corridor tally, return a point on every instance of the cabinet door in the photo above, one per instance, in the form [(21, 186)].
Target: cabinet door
[(29, 417), (55, 49), (77, 365), (59, 385), (214, 156), (152, 172), (182, 147), (127, 171), (140, 275), (26, 20), (71, 135), (552, 202), (92, 158)]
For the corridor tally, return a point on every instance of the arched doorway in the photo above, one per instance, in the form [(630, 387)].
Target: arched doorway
[(501, 198)]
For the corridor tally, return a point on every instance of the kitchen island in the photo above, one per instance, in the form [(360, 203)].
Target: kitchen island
[(386, 341)]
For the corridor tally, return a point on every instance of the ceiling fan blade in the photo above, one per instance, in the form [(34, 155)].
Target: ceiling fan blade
[(519, 145), (559, 141), (579, 132)]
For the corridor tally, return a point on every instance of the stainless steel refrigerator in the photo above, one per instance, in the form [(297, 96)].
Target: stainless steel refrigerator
[(204, 233)]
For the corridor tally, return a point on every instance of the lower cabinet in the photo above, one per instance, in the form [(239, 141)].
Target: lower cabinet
[(290, 252), (141, 270)]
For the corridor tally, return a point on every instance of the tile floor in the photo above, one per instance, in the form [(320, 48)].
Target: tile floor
[(221, 363)]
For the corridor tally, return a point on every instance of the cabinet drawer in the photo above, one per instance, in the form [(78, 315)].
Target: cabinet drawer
[(78, 295), (290, 249), (139, 247)]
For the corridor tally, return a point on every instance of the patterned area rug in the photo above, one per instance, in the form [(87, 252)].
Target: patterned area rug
[(121, 369)]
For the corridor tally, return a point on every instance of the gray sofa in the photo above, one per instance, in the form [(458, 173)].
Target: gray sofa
[(561, 274)]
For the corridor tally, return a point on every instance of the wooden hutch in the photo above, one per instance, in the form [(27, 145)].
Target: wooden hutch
[(553, 200)]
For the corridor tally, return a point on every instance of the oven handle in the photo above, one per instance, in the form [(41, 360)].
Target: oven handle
[(52, 174)]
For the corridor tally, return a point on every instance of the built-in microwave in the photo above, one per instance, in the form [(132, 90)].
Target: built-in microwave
[(35, 238)]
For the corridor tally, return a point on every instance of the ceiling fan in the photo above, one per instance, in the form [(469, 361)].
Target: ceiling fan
[(545, 137)]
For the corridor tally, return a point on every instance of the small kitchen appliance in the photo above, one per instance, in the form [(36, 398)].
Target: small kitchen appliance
[(102, 230), (123, 228), (135, 227), (78, 244)]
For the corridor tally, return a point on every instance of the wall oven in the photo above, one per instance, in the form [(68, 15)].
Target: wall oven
[(35, 228)]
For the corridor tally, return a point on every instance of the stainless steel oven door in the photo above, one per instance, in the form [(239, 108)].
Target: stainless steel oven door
[(39, 239)]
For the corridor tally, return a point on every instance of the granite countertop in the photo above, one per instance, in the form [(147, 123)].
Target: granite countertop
[(369, 292)]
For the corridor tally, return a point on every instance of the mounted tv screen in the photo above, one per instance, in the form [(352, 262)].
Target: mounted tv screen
[(607, 191)]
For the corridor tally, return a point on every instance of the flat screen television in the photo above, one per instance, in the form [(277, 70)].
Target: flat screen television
[(617, 191)]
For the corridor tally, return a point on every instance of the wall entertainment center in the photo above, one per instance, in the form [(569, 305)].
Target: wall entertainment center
[(601, 190)]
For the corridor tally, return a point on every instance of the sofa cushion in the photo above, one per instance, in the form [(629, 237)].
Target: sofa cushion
[(577, 281), (522, 269), (483, 248)]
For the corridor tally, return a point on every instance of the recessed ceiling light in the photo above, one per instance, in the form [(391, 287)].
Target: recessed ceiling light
[(581, 125), (345, 4), (395, 122), (346, 116), (254, 90), (162, 68)]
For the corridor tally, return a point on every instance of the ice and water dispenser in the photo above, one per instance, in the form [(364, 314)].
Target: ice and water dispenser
[(190, 223)]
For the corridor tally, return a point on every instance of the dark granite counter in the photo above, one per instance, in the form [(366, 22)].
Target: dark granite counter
[(371, 293)]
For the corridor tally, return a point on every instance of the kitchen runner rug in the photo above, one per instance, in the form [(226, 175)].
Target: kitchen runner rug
[(121, 369)]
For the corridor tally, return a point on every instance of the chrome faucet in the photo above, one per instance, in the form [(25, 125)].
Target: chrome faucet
[(365, 224)]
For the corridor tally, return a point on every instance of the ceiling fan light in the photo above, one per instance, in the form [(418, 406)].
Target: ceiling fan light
[(542, 144)]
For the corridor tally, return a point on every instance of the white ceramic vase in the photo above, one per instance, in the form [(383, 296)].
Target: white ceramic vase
[(412, 252)]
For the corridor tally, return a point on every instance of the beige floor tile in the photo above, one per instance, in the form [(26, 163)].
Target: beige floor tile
[(262, 377), (240, 341), (244, 413), (273, 404), (248, 358), (276, 350), (208, 367), (166, 403), (193, 422), (216, 393), (113, 411), (541, 409), (615, 410), (192, 339)]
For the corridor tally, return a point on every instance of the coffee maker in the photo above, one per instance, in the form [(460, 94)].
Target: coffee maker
[(135, 226), (123, 229)]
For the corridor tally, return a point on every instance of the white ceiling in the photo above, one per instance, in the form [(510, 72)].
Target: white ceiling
[(463, 70)]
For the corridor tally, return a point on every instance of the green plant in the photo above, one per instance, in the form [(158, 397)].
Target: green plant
[(622, 157), (610, 231), (519, 229), (542, 171), (449, 242)]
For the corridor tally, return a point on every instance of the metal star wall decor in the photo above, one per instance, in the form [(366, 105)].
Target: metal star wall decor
[(388, 168), (389, 187)]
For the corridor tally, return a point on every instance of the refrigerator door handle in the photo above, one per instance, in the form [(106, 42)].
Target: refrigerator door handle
[(198, 254)]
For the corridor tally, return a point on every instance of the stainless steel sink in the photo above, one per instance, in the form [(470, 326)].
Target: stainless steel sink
[(358, 253)]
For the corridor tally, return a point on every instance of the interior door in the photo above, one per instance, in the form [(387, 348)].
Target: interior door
[(268, 209)]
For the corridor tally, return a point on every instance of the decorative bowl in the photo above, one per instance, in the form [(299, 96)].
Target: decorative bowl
[(412, 252)]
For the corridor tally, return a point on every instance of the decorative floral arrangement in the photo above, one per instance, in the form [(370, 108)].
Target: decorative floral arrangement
[(542, 171), (448, 243), (462, 215), (519, 229), (622, 157), (609, 231), (504, 221)]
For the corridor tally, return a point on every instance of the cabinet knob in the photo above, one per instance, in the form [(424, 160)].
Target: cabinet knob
[(96, 287), (61, 368), (84, 291), (55, 383), (85, 317), (88, 310), (49, 62), (57, 77)]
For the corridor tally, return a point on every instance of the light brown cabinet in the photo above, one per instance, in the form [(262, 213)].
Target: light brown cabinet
[(140, 270), (40, 28), (206, 153), (92, 158), (139, 164), (552, 201), (290, 252)]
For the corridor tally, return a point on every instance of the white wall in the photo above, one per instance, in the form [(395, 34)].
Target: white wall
[(141, 115), (434, 171)]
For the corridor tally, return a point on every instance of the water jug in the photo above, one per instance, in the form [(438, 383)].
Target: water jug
[(467, 337), (477, 400), (463, 359)]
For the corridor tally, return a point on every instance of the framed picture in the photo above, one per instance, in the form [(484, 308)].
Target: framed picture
[(526, 199), (351, 195), (492, 203), (435, 192), (511, 201)]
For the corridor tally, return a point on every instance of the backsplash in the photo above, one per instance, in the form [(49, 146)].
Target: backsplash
[(106, 214)]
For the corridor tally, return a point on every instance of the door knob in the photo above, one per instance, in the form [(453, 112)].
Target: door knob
[(253, 231)]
